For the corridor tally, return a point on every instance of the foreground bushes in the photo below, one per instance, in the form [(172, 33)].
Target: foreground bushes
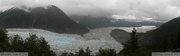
[(33, 45), (87, 52)]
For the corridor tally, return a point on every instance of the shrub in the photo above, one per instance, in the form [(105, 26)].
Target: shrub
[(106, 52)]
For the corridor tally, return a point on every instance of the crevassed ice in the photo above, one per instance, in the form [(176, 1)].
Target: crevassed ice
[(67, 42)]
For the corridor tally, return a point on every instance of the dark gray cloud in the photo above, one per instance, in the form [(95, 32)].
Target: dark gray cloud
[(151, 10)]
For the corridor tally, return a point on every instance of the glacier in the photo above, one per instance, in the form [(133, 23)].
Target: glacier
[(67, 42), (95, 39)]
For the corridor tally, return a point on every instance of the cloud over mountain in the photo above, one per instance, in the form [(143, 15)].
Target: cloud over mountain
[(158, 10)]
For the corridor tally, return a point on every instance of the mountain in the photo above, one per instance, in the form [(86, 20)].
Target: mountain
[(102, 21), (165, 36), (49, 18), (120, 35)]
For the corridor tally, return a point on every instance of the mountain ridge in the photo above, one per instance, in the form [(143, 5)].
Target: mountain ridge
[(103, 21), (51, 18), (166, 36)]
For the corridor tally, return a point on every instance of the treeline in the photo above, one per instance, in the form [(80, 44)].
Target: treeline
[(33, 45), (88, 52)]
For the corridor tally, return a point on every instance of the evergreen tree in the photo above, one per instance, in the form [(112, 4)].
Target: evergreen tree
[(134, 40), (106, 52), (132, 46), (178, 37), (45, 48), (4, 43), (17, 44), (37, 47), (67, 54), (83, 53), (33, 45)]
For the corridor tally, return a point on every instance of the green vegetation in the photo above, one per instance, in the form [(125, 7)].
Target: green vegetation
[(4, 44), (164, 38), (107, 52), (159, 44), (133, 48), (17, 44), (87, 52), (37, 46), (33, 45), (178, 36)]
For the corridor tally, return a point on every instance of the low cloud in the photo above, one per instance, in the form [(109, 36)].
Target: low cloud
[(154, 10), (123, 17)]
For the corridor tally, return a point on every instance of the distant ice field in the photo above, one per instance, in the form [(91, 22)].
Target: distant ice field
[(141, 29)]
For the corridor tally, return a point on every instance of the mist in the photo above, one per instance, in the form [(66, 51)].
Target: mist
[(149, 10)]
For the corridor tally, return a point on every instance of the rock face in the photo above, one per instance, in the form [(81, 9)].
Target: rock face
[(120, 35), (164, 36), (51, 18)]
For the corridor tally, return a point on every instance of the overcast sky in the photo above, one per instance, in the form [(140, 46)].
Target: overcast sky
[(151, 10)]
